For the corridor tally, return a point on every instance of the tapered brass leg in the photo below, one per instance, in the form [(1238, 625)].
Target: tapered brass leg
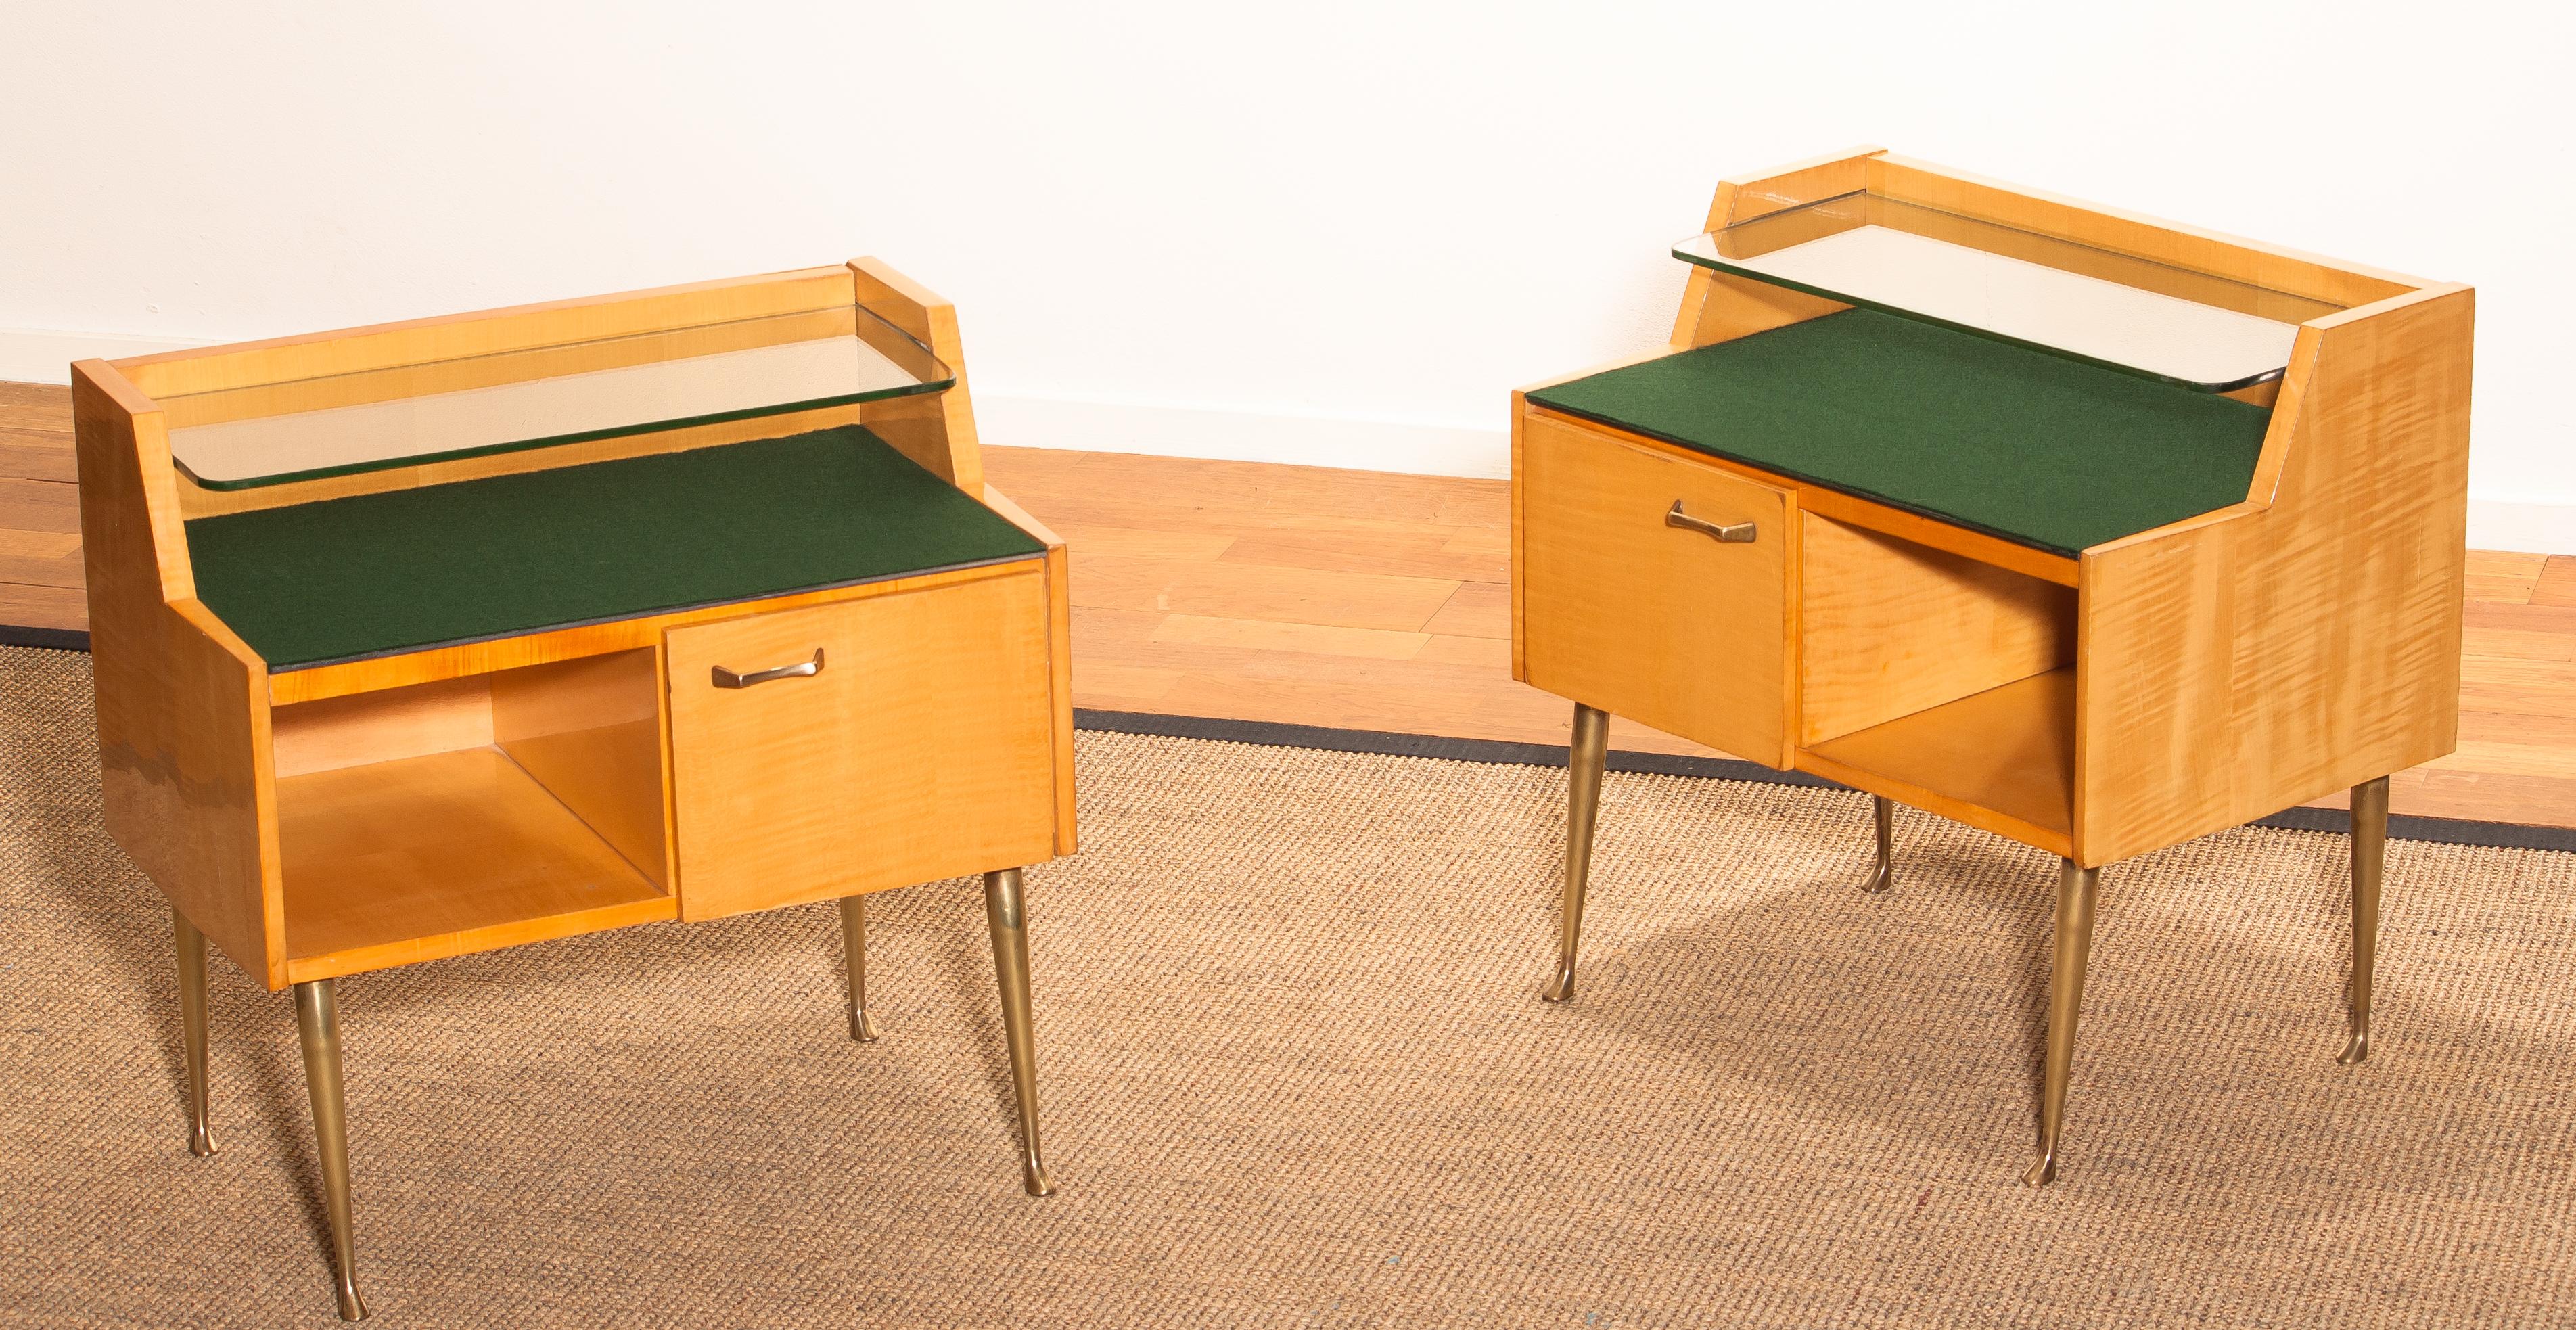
[(854, 943), (192, 1029), (1003, 913), (2065, 1000), (317, 1019), (1584, 759), (2369, 853), (1883, 873)]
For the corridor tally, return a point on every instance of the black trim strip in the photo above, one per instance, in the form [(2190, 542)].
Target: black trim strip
[(48, 639), (2440, 830)]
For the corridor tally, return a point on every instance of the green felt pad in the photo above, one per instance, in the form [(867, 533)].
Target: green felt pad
[(378, 574), (2037, 449)]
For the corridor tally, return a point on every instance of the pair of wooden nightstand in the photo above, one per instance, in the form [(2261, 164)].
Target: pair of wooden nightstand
[(2094, 532)]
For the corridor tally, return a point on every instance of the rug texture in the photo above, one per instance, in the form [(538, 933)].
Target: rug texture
[(1296, 1073)]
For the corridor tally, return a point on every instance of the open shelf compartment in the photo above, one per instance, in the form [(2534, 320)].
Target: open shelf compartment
[(1939, 681), (2009, 751), (535, 397), (445, 818), (2156, 320)]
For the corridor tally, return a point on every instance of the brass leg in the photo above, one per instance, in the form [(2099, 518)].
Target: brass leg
[(317, 1019), (1882, 875), (192, 1028), (1584, 759), (854, 942), (2065, 999), (1003, 912), (2369, 853)]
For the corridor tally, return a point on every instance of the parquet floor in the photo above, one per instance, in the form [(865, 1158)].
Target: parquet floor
[(1374, 601)]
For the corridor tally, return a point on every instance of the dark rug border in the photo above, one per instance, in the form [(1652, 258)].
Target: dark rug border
[(1272, 734), (1499, 752), (51, 639)]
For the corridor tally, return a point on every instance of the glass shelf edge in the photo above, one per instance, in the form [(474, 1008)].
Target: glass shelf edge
[(558, 440), (1864, 302)]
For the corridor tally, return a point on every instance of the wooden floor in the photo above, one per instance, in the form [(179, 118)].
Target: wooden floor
[(1366, 600)]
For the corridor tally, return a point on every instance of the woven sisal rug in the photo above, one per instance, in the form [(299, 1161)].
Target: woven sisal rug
[(1295, 1073)]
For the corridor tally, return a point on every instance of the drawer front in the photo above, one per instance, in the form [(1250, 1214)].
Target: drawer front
[(921, 749), (1663, 624)]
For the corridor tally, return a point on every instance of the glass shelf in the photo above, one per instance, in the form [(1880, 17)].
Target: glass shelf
[(406, 415), (2148, 318)]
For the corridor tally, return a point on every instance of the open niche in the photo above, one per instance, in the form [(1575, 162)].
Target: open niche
[(1951, 678), (449, 817)]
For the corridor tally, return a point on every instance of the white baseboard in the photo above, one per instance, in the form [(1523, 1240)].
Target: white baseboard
[(43, 355), (2530, 528), (1244, 436)]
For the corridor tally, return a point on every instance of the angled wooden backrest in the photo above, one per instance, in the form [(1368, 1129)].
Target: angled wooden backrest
[(184, 760), (2213, 252), (484, 332)]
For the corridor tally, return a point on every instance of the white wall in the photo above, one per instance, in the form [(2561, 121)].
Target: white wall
[(1327, 232)]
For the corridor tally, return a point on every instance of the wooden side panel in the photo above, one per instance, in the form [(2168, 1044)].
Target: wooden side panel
[(1520, 535), (2336, 609), (2350, 624), (934, 429), (182, 704), (1059, 565), (1059, 591), (2155, 697), (1653, 622), (590, 732), (924, 748), (1889, 627)]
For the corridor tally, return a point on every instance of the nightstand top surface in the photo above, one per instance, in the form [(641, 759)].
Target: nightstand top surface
[(505, 556), (2021, 444)]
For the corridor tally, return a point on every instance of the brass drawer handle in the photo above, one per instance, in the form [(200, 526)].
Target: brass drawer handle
[(726, 678), (1739, 534)]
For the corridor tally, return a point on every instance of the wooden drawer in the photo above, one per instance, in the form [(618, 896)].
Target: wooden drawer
[(921, 749), (1658, 623)]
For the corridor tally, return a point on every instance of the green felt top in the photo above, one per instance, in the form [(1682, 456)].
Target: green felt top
[(378, 574), (2039, 450)]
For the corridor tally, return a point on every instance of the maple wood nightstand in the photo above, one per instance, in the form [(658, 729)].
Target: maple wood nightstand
[(2093, 531), (431, 638)]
